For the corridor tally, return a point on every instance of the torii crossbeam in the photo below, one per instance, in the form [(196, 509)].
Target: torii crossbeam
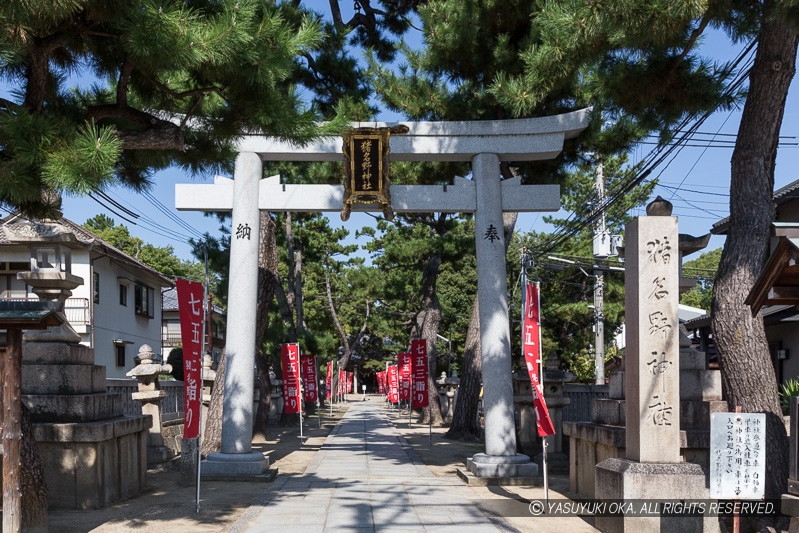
[(485, 144)]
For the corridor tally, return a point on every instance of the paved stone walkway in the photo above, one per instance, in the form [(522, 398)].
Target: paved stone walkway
[(365, 479)]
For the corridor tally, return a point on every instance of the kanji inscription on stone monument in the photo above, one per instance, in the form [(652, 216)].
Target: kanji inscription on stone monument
[(653, 430)]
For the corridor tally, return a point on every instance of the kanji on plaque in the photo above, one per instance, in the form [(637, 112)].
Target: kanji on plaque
[(308, 365), (419, 370), (393, 385), (531, 324), (404, 361), (290, 362), (329, 381), (737, 456), (190, 310)]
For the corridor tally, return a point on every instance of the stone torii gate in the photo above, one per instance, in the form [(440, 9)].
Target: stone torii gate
[(485, 144)]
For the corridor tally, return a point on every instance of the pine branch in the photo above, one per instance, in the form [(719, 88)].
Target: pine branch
[(691, 40)]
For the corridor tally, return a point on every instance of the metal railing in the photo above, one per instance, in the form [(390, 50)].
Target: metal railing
[(171, 405), (582, 398), (77, 310), (172, 338)]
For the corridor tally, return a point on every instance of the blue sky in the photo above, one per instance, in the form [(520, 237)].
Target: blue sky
[(696, 181)]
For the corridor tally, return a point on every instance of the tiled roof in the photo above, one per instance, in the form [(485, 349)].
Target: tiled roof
[(169, 298), (77, 235), (781, 196)]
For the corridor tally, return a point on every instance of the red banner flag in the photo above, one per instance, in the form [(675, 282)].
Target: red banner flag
[(342, 380), (290, 362), (393, 386), (190, 310), (380, 386), (329, 381), (308, 365), (419, 370), (531, 338), (404, 373), (349, 383)]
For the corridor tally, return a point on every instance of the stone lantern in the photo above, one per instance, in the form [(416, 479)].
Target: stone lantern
[(449, 387), (51, 279), (150, 396)]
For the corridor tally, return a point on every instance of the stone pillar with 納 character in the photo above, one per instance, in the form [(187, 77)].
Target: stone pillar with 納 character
[(652, 467)]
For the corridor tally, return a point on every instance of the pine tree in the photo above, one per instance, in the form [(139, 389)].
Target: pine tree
[(159, 84), (747, 373)]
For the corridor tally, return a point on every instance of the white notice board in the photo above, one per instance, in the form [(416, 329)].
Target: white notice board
[(737, 456)]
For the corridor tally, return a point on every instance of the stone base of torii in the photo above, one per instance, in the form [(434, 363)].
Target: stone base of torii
[(485, 144)]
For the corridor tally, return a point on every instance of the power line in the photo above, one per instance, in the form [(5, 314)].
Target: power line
[(727, 195), (156, 228), (651, 161)]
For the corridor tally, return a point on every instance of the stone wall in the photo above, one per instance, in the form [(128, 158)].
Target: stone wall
[(172, 432), (89, 466)]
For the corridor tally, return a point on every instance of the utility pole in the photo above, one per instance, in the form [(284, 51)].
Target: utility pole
[(601, 250)]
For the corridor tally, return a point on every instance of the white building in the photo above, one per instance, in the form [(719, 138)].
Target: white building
[(780, 315), (118, 306), (170, 331)]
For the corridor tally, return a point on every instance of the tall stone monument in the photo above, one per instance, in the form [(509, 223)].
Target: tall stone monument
[(652, 468)]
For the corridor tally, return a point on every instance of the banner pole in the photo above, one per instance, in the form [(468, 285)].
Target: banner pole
[(318, 399), (410, 400), (300, 386), (541, 377), (546, 477), (206, 287)]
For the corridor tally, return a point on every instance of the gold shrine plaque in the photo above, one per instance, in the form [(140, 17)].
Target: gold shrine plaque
[(366, 168)]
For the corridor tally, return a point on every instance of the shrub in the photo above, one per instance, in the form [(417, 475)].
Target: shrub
[(175, 359), (787, 390)]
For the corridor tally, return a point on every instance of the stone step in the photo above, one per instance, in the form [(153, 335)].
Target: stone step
[(692, 360), (696, 413), (608, 411), (68, 408), (696, 382), (63, 379), (56, 353), (616, 385), (616, 436), (700, 385)]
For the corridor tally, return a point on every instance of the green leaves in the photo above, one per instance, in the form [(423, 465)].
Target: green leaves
[(703, 269), (160, 83), (83, 162), (37, 153)]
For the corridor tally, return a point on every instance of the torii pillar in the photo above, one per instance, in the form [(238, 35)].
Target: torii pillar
[(485, 144)]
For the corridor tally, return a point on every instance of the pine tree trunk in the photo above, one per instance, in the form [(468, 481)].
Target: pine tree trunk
[(430, 320), (34, 489), (212, 436), (267, 283), (746, 367), (261, 422), (465, 425)]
